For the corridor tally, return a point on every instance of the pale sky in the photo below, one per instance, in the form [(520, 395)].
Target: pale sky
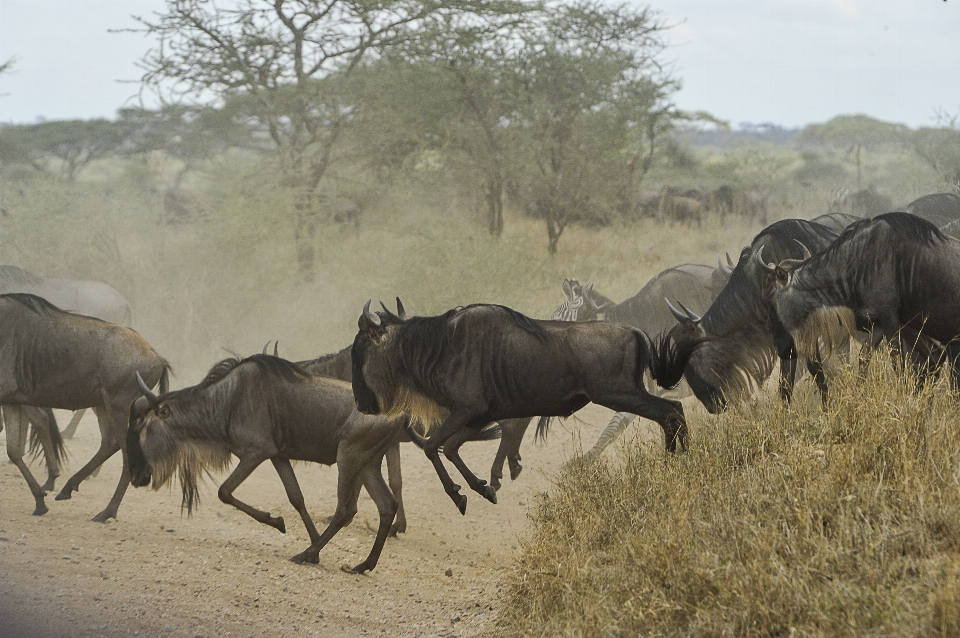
[(788, 62)]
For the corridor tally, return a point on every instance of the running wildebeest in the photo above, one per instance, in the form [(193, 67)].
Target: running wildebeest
[(81, 297), (696, 284), (895, 276), (745, 334), (339, 366), (60, 360), (261, 408), (484, 363)]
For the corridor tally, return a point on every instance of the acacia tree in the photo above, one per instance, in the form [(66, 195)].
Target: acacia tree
[(289, 62), (594, 104)]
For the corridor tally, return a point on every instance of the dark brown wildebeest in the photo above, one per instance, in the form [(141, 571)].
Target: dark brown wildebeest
[(745, 335), (262, 408), (60, 360), (483, 363), (338, 365), (896, 276), (940, 209)]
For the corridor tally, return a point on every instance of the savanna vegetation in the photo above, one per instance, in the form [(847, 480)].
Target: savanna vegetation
[(451, 153)]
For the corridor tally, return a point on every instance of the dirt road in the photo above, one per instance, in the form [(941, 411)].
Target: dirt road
[(154, 572)]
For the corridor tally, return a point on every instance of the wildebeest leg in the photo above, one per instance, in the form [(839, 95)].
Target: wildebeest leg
[(512, 431), (71, 428), (110, 443), (348, 491), (294, 495), (113, 427), (44, 427), (667, 413), (239, 474), (16, 437), (396, 487), (617, 424), (386, 506), (451, 450), (431, 448), (788, 377), (815, 367)]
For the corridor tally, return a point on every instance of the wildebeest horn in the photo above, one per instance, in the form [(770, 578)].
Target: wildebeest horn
[(759, 257), (369, 316), (150, 396), (727, 270), (806, 251), (730, 261), (267, 345), (401, 312), (680, 316), (693, 316)]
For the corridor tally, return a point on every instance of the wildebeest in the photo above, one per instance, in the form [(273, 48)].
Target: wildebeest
[(862, 203), (485, 362), (894, 275), (745, 334), (261, 408), (940, 209), (730, 200), (60, 360), (696, 284), (836, 221), (44, 436), (81, 297), (338, 365)]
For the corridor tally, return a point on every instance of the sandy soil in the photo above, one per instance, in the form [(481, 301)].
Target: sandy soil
[(155, 572)]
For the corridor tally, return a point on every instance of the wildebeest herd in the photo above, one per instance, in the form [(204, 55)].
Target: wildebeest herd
[(801, 290)]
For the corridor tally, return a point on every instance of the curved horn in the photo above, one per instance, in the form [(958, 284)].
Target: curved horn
[(806, 251), (401, 311), (276, 345), (693, 316), (369, 316), (682, 318), (150, 396), (727, 270), (730, 261), (758, 256), (265, 346)]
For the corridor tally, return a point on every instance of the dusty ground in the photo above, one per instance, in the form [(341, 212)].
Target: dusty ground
[(155, 572)]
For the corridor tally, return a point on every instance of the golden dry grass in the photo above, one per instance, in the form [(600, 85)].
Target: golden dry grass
[(776, 522)]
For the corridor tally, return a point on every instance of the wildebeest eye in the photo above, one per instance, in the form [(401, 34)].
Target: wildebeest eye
[(163, 411)]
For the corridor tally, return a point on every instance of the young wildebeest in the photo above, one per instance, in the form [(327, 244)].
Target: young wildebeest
[(485, 363), (263, 408), (895, 275), (56, 359)]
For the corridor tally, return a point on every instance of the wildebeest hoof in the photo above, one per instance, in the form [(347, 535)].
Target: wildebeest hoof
[(359, 569), (461, 502), (305, 557), (490, 494), (278, 523), (48, 486), (397, 529), (515, 472), (64, 494), (103, 517), (41, 510)]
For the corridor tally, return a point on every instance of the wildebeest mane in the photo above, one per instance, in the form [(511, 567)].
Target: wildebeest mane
[(786, 231), (914, 227)]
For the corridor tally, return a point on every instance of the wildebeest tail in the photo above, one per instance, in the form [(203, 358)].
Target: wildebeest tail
[(418, 439), (165, 378), (36, 444), (667, 356), (543, 426)]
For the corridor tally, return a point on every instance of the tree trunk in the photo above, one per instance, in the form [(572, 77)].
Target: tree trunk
[(304, 232), (554, 230), (494, 197)]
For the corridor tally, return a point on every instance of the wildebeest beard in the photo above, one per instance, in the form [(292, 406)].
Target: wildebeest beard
[(735, 366), (825, 330), (383, 375), (187, 460)]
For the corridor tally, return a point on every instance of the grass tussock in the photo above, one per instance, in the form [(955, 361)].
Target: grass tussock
[(776, 522)]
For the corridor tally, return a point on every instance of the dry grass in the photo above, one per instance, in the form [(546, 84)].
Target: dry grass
[(776, 522)]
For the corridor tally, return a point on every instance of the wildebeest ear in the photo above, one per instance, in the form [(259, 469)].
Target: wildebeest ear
[(401, 311)]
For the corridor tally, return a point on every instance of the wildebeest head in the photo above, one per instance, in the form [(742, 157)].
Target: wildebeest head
[(157, 447), (382, 384), (704, 386)]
